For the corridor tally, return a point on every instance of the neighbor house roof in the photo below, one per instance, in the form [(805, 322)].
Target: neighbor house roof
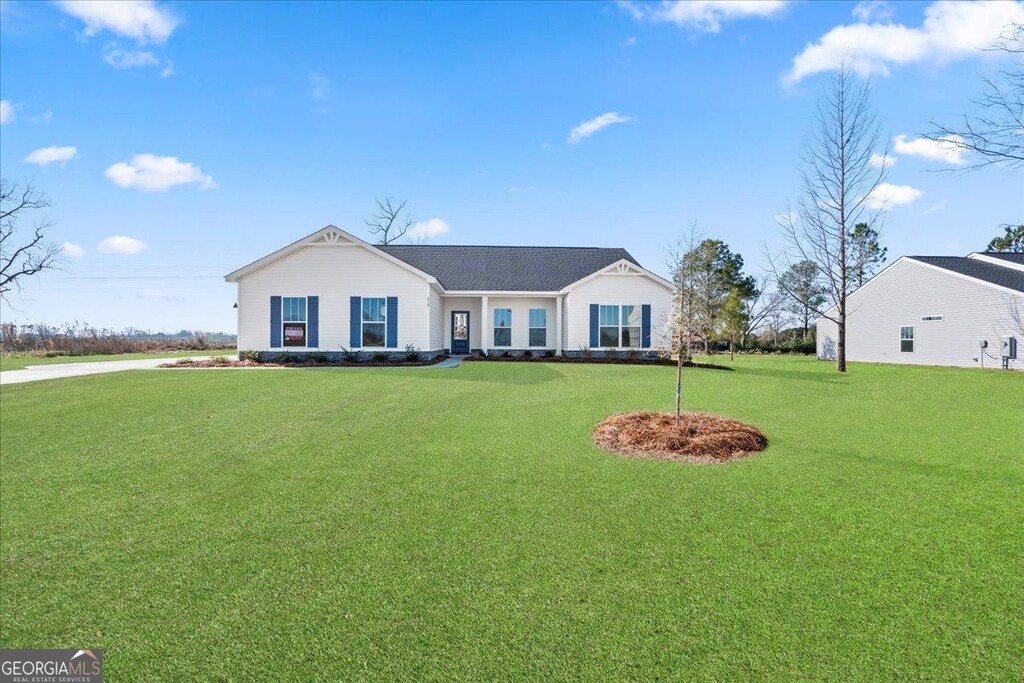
[(992, 273), (1004, 256), (507, 269)]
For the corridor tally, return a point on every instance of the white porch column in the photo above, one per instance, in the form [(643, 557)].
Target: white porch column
[(484, 337), (558, 325)]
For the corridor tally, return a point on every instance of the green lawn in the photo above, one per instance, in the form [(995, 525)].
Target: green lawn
[(17, 362), (438, 524)]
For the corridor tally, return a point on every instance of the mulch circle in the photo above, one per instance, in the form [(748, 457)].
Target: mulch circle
[(700, 437)]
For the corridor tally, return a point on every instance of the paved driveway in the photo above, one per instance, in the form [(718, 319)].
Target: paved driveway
[(35, 373)]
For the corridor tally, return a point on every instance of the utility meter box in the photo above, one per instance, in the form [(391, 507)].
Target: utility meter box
[(1009, 349)]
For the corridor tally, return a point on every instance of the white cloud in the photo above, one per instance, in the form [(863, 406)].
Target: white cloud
[(702, 15), (119, 58), (516, 189), (154, 173), (321, 86), (944, 149), (424, 230), (45, 117), (48, 155), (879, 160), (887, 195), (121, 244), (6, 111), (143, 20), (952, 30), (878, 10), (168, 69), (588, 128), (629, 42), (72, 250)]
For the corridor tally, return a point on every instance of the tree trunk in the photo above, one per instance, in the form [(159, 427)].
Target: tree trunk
[(679, 376), (841, 344), (732, 351)]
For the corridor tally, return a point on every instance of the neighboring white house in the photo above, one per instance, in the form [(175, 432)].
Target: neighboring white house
[(936, 310), (332, 292)]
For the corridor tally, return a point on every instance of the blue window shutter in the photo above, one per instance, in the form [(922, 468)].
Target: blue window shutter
[(313, 321), (645, 326), (593, 326), (275, 322), (392, 330), (355, 318)]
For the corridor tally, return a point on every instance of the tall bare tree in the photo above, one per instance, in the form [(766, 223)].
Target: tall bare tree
[(995, 136), (839, 188), (390, 221), (24, 252)]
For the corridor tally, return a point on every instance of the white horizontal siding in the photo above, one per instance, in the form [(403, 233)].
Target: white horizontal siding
[(520, 307), (334, 273), (436, 321), (971, 311), (616, 289)]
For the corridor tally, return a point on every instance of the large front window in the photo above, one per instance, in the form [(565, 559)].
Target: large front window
[(538, 327), (619, 327), (503, 327), (375, 319), (293, 320)]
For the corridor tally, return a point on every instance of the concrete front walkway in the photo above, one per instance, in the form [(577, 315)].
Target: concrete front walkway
[(35, 373)]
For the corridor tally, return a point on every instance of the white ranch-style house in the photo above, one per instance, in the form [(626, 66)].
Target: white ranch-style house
[(331, 293)]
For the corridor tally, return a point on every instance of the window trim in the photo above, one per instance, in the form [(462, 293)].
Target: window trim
[(911, 339), (495, 327), (304, 322), (530, 328), (620, 327), (384, 309)]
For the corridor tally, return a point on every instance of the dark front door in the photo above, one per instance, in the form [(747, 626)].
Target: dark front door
[(460, 332)]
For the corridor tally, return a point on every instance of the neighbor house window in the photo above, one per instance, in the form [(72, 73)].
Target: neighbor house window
[(619, 326), (538, 327), (293, 320), (375, 319), (907, 339), (503, 327)]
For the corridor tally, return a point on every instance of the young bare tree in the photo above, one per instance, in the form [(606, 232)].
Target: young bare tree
[(391, 221), (23, 252), (995, 136), (839, 188), (685, 317)]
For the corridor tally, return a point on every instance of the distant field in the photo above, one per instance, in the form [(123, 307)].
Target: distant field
[(18, 362), (409, 524)]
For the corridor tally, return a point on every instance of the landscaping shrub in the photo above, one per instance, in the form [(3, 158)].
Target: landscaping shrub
[(412, 354), (250, 355), (380, 357)]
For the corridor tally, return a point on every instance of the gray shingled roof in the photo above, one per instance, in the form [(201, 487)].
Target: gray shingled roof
[(521, 269), (1006, 256), (978, 269)]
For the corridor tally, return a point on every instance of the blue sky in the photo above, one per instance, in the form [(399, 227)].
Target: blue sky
[(209, 134)]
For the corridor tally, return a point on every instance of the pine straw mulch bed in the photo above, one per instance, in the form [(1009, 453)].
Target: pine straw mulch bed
[(231, 363), (593, 360), (700, 437)]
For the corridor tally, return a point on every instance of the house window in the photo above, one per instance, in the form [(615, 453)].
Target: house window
[(375, 318), (619, 327), (907, 339), (538, 327), (503, 327), (293, 320), (930, 318)]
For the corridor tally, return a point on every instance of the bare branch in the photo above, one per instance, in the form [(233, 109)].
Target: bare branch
[(390, 222)]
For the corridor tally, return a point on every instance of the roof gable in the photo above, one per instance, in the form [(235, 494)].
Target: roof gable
[(328, 236)]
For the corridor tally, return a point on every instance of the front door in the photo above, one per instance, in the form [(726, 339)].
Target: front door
[(460, 332)]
